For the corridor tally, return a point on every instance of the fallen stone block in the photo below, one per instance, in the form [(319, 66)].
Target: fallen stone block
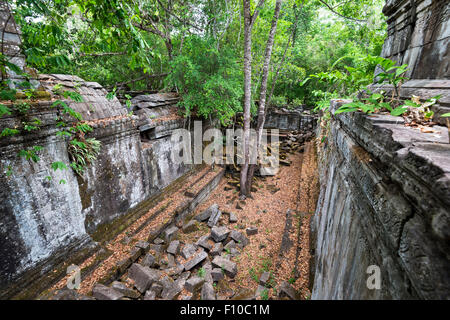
[(251, 231), (194, 283), (260, 291), (123, 265), (170, 233), (232, 217), (214, 218), (157, 248), (240, 238), (208, 292), (135, 253), (230, 245), (195, 260), (149, 261), (171, 291), (143, 277), (207, 213), (123, 289), (150, 295), (217, 249), (204, 243), (228, 266), (158, 241), (102, 292), (217, 274), (286, 290), (173, 247), (144, 245), (188, 250), (219, 233), (156, 288), (264, 279)]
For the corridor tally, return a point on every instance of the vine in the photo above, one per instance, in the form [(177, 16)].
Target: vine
[(82, 151)]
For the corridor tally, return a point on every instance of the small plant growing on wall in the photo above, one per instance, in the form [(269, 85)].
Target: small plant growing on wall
[(82, 151)]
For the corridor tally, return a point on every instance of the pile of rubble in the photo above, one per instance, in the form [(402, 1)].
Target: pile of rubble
[(171, 269)]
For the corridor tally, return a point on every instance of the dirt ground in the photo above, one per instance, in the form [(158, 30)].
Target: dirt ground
[(295, 187)]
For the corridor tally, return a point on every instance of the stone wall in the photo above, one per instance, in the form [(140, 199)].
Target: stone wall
[(292, 120), (419, 35), (384, 201), (42, 218)]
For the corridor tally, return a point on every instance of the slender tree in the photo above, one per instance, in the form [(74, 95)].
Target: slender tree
[(249, 20), (263, 90)]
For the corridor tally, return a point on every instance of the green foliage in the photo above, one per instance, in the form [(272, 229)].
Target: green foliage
[(31, 153), (210, 80), (201, 272), (83, 153)]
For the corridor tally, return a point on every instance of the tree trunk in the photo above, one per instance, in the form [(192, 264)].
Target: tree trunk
[(247, 93), (263, 90)]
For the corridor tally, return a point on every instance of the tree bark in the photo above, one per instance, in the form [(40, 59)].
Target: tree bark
[(263, 89), (249, 20)]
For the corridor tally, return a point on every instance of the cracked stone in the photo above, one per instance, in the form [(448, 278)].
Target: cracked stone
[(188, 250), (208, 292), (173, 247), (143, 277), (102, 292), (251, 231), (194, 283), (217, 249), (228, 266), (144, 245), (264, 279), (286, 290), (204, 243), (123, 289), (149, 261), (170, 233), (219, 233), (217, 274), (207, 213), (214, 218), (195, 260), (240, 238)]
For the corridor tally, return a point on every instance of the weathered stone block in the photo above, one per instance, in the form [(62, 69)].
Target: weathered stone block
[(102, 292), (143, 277), (228, 266), (194, 283), (219, 233)]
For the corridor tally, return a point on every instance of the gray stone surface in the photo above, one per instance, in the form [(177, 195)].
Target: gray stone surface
[(102, 292), (264, 278), (251, 231), (217, 249), (123, 289), (143, 277), (286, 290), (194, 283), (219, 234), (208, 292), (232, 217), (149, 261), (384, 202), (170, 234), (217, 274), (150, 295), (144, 245), (228, 266), (199, 257), (203, 242), (203, 216), (214, 218), (240, 238), (157, 288), (188, 250), (418, 36), (173, 247)]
